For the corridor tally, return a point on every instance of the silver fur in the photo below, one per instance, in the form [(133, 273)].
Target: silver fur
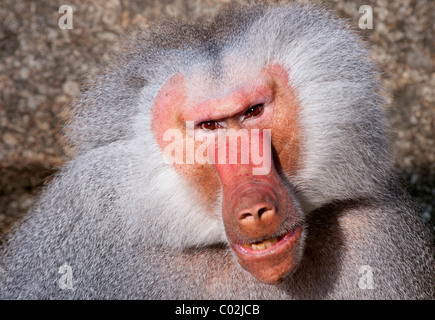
[(128, 224)]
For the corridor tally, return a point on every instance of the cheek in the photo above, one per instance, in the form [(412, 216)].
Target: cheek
[(286, 133), (204, 182), (286, 130), (202, 177), (166, 114)]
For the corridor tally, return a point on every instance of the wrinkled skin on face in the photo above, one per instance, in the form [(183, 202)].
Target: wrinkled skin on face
[(262, 220)]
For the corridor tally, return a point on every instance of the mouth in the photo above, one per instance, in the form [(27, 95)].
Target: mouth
[(268, 244), (271, 259), (263, 245)]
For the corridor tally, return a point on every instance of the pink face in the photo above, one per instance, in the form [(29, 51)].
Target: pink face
[(262, 222)]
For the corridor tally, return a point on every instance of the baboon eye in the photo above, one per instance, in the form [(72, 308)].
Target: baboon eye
[(254, 111), (209, 125)]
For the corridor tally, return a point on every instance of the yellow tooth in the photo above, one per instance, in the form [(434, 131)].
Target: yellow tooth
[(261, 246), (268, 243)]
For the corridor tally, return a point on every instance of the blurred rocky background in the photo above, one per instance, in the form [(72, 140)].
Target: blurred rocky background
[(42, 67)]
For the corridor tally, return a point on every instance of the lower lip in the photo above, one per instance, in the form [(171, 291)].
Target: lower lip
[(286, 242)]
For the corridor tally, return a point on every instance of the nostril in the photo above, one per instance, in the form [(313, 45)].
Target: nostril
[(262, 210), (256, 213), (245, 215)]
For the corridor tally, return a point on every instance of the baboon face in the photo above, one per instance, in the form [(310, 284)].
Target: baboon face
[(243, 137)]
